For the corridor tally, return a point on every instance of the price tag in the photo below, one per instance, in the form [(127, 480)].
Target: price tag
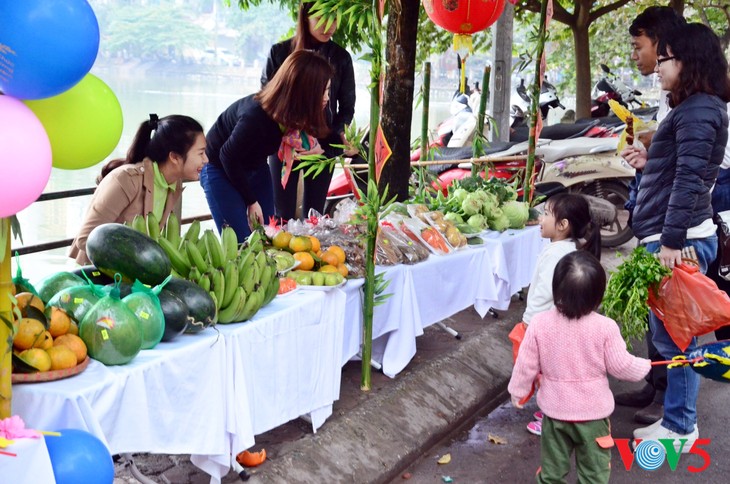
[(144, 315), (104, 334), (78, 300)]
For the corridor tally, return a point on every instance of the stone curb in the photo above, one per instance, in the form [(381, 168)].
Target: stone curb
[(377, 441)]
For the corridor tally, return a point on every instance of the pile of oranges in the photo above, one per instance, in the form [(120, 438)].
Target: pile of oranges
[(46, 338), (308, 251)]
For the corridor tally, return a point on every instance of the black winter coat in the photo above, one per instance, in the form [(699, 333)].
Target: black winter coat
[(341, 106), (683, 162)]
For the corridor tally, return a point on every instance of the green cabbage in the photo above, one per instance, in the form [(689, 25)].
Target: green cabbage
[(500, 223), (517, 213), (454, 217), (477, 221), (471, 204)]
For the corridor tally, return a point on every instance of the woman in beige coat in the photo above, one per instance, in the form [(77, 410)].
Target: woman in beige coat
[(165, 153)]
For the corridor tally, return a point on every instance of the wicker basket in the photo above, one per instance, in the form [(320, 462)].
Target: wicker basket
[(52, 375)]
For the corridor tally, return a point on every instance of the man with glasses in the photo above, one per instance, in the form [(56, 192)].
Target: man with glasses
[(645, 31)]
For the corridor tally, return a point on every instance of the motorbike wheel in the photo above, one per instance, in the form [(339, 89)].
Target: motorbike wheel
[(616, 232)]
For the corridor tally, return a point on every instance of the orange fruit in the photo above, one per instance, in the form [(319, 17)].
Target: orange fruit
[(251, 459), (315, 243), (74, 328), (339, 252), (329, 258), (44, 342), (37, 358), (62, 357), (281, 239), (13, 289), (300, 243), (26, 299), (306, 261), (328, 268), (59, 321), (74, 343), (342, 268), (30, 331)]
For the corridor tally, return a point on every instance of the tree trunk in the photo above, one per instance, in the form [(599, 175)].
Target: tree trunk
[(583, 79), (397, 111)]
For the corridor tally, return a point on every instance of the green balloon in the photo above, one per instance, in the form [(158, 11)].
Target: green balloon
[(84, 123)]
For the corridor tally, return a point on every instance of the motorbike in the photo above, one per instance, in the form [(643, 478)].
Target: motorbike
[(611, 86)]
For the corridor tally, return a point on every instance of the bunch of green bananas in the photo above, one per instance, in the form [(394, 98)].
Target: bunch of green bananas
[(240, 280)]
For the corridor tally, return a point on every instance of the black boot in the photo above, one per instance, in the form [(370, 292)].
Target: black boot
[(636, 398)]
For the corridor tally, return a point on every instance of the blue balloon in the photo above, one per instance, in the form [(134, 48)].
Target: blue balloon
[(46, 46), (77, 457)]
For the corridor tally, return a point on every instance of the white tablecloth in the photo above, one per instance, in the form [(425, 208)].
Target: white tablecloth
[(485, 276), (206, 394), (32, 465)]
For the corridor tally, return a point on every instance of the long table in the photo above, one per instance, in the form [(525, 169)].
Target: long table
[(432, 290), (210, 394), (206, 394)]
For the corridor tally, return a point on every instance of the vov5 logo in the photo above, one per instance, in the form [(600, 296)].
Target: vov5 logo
[(651, 454)]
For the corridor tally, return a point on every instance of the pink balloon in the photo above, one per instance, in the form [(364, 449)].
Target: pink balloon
[(25, 156)]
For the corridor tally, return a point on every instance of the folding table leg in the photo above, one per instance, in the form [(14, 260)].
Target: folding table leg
[(451, 331)]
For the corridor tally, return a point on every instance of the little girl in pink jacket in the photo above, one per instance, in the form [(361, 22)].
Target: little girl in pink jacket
[(574, 349)]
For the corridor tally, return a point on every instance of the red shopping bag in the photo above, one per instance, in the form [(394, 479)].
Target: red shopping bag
[(690, 304), (516, 336)]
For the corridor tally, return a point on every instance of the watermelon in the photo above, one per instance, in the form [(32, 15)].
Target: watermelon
[(202, 311), (111, 331), (176, 315), (49, 286), (115, 248)]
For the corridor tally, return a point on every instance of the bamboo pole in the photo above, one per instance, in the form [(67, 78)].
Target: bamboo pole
[(426, 103), (476, 161), (372, 224), (6, 311), (478, 142), (535, 108)]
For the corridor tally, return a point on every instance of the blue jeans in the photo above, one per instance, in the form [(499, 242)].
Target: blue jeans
[(226, 203), (683, 383)]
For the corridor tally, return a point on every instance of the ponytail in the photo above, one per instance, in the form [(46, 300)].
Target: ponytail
[(172, 134), (576, 210)]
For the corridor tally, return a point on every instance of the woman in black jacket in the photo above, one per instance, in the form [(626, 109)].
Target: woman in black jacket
[(236, 180), (339, 110), (673, 206)]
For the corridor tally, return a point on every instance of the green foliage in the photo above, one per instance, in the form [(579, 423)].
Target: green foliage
[(158, 32), (628, 290)]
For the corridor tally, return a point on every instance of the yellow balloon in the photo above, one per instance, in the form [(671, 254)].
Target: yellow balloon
[(84, 123)]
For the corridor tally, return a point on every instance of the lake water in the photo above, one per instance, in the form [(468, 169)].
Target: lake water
[(141, 91)]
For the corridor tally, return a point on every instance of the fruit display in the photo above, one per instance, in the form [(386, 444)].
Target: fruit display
[(145, 305), (111, 331), (230, 281), (118, 249), (52, 284), (44, 338), (316, 278), (286, 286)]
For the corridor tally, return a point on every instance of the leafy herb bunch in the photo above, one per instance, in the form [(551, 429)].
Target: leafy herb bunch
[(628, 290)]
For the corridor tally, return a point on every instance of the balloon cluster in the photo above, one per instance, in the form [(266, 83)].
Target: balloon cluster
[(52, 111)]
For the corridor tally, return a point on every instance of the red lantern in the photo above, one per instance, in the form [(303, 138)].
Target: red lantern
[(464, 17)]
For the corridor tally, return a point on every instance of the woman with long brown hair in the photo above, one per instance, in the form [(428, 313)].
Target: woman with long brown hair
[(165, 153), (312, 33), (237, 181)]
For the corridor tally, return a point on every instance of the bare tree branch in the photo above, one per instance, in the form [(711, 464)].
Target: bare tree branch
[(599, 12)]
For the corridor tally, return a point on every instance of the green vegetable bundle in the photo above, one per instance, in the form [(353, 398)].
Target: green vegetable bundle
[(628, 290)]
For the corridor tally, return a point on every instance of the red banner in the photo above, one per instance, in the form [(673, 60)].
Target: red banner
[(382, 152)]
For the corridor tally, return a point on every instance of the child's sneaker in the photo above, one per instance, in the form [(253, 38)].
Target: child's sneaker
[(537, 416), (535, 427)]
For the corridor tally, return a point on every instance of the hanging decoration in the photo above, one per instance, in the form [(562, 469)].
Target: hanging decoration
[(463, 18)]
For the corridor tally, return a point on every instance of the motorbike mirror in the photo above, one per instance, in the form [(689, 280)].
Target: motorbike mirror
[(605, 68), (637, 93)]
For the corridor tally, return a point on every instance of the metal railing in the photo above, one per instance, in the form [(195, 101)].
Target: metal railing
[(57, 244)]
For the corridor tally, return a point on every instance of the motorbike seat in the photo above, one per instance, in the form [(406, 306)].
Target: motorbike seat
[(554, 131)]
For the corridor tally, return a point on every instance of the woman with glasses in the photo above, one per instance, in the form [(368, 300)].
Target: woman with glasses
[(311, 34), (673, 207)]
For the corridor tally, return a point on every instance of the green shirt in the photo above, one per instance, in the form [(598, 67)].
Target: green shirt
[(160, 192)]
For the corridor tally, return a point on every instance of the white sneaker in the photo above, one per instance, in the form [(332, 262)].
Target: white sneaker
[(642, 432), (665, 433)]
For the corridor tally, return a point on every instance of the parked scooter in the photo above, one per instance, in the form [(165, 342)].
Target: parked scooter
[(611, 86)]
